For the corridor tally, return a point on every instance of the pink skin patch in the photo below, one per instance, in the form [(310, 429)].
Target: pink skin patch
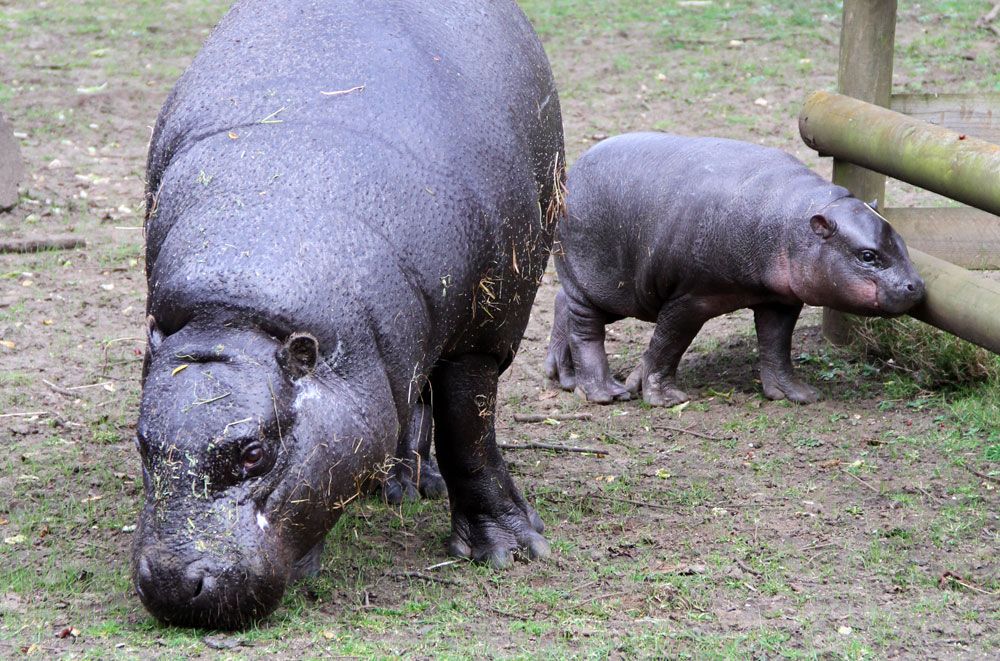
[(863, 294), (778, 277)]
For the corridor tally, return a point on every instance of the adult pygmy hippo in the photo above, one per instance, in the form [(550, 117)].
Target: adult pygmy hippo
[(679, 230), (348, 208)]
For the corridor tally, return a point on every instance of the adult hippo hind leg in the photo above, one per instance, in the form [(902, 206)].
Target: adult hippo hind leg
[(491, 521), (775, 323), (415, 472)]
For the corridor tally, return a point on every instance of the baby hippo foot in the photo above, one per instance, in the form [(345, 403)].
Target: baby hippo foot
[(778, 387), (559, 368), (657, 389), (400, 485), (496, 535), (603, 392)]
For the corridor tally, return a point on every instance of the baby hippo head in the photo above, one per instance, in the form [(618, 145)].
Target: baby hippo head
[(855, 262)]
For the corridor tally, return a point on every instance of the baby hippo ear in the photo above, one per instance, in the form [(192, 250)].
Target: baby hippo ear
[(299, 355), (874, 204), (154, 336), (822, 226)]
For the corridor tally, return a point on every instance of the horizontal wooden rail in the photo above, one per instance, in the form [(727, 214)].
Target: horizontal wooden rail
[(966, 237), (961, 167), (975, 114), (959, 302)]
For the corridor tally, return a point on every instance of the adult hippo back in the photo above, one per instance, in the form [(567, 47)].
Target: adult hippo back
[(350, 207)]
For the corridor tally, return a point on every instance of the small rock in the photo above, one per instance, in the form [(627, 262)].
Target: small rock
[(761, 101), (221, 642)]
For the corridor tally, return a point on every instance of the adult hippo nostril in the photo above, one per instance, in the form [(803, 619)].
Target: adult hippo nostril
[(202, 593)]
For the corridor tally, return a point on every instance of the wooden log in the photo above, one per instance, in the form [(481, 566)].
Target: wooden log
[(977, 115), (961, 167), (867, 40), (959, 302), (966, 237)]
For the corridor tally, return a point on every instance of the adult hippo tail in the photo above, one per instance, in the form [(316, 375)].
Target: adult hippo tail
[(350, 207)]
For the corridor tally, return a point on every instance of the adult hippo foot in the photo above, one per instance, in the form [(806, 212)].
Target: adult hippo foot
[(657, 389), (400, 484), (496, 538), (415, 473)]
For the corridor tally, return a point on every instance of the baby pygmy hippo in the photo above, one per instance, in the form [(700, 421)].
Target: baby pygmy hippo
[(679, 230)]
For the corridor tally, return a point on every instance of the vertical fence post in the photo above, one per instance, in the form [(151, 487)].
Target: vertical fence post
[(11, 166), (867, 39)]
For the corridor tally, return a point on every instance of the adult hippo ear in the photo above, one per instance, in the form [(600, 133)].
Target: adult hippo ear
[(154, 336), (874, 204), (822, 226), (299, 355)]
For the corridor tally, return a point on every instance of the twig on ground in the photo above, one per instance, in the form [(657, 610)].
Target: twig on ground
[(554, 448), (640, 503), (423, 577), (25, 414), (38, 245), (439, 565), (981, 475), (747, 568), (542, 417), (682, 430), (955, 578), (987, 18), (874, 490), (602, 597), (65, 392), (89, 385)]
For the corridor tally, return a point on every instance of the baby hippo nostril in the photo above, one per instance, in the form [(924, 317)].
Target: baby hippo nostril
[(910, 287)]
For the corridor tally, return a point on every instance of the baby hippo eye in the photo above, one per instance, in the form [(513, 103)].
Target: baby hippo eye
[(253, 457), (868, 256)]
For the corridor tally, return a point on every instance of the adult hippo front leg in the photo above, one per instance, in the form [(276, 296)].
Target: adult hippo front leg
[(775, 323), (414, 473), (490, 519)]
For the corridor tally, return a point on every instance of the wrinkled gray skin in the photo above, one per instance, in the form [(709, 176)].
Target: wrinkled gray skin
[(678, 230), (349, 212)]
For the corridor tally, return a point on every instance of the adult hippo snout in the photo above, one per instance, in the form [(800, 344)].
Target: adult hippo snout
[(204, 592)]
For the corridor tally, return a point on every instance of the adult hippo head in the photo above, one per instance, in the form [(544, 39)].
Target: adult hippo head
[(239, 490)]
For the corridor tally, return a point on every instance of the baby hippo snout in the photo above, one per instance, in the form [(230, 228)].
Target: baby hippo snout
[(898, 297)]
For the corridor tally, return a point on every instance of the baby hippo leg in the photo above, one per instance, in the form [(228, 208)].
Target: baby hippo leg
[(775, 323), (676, 326), (559, 361), (585, 336)]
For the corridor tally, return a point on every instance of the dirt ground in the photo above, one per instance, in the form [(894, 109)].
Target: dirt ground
[(729, 527)]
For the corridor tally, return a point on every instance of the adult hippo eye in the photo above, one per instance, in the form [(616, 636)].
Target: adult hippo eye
[(868, 256), (254, 458)]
